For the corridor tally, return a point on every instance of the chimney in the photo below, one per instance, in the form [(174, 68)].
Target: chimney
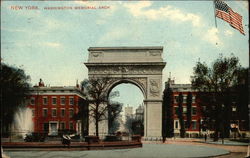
[(77, 85), (41, 84)]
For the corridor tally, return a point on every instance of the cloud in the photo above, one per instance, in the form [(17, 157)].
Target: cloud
[(113, 35), (212, 36), (23, 44), (28, 44), (88, 3), (53, 24), (228, 33), (13, 30), (243, 5), (141, 9)]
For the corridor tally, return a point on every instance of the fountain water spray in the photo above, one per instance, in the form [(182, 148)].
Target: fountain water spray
[(23, 122)]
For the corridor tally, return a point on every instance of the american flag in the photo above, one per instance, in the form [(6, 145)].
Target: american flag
[(224, 12)]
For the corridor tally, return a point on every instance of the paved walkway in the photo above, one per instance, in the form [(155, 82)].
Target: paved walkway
[(225, 142), (172, 148), (147, 151), (238, 150)]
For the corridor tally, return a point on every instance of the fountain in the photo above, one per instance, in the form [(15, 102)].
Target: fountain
[(23, 122)]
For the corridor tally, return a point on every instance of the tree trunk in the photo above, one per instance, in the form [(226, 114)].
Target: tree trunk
[(96, 128)]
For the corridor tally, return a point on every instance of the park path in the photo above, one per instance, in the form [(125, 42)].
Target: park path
[(236, 151), (185, 147)]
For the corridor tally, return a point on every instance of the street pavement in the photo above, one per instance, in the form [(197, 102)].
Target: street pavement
[(236, 149), (147, 151), (172, 148)]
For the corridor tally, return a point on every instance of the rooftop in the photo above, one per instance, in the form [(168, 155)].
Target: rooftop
[(125, 48)]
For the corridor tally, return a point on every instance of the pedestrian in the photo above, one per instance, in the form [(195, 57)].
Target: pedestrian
[(222, 138), (205, 136), (66, 140), (163, 139)]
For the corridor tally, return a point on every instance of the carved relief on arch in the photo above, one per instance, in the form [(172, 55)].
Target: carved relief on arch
[(154, 88), (96, 54), (124, 69), (143, 82), (155, 53)]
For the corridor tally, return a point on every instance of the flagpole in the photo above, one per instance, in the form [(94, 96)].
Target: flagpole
[(215, 21)]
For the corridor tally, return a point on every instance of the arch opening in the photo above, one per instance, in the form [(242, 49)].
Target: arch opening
[(126, 81), (131, 119)]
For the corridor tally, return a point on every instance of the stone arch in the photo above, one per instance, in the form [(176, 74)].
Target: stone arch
[(141, 66), (127, 80)]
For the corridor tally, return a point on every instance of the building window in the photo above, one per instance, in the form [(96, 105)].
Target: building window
[(71, 113), (193, 99), (243, 125), (53, 112), (175, 99), (213, 107), (184, 99), (45, 101), (185, 125), (176, 124), (62, 125), (233, 108), (71, 101), (184, 110), (45, 112), (46, 127), (54, 101), (194, 124), (62, 112), (71, 126), (62, 100), (194, 111), (176, 110), (32, 101), (204, 108), (33, 112)]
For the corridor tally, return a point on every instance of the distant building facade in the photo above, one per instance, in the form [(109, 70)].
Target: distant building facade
[(128, 111), (196, 118), (54, 108), (196, 113), (139, 113)]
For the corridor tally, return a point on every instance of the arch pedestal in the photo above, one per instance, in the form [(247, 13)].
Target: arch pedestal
[(141, 66)]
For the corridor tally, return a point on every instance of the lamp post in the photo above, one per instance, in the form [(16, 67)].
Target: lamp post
[(223, 122), (37, 109)]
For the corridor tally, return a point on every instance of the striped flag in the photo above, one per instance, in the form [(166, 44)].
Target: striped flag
[(224, 12)]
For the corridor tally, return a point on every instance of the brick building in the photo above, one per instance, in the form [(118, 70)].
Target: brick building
[(196, 118), (54, 108), (238, 127)]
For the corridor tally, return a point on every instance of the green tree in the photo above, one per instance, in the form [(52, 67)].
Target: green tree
[(189, 108), (242, 97), (215, 85), (114, 110), (129, 124), (167, 113), (83, 115), (180, 115), (14, 90)]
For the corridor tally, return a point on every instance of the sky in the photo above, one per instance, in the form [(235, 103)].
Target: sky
[(129, 95), (52, 44)]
